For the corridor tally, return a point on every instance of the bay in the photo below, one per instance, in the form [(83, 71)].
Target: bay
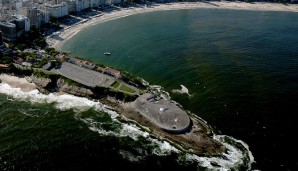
[(239, 66)]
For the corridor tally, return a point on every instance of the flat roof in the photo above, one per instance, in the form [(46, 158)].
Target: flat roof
[(163, 113)]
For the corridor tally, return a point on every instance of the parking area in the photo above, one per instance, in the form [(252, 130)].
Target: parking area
[(82, 75)]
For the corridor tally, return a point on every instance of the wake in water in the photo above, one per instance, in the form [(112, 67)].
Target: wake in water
[(237, 154), (33, 112), (183, 90)]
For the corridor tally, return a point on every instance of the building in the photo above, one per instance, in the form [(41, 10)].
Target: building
[(113, 72), (47, 66), (82, 5), (43, 16), (9, 31), (1, 38), (16, 4), (57, 10), (22, 23), (72, 6), (32, 14)]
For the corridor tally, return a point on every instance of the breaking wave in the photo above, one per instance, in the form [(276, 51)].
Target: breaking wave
[(237, 154)]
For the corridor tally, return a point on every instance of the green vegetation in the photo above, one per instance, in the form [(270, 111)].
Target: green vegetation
[(141, 91), (34, 38), (130, 78), (102, 91), (55, 63), (106, 80), (41, 63), (127, 89), (115, 84), (31, 57), (51, 51), (5, 59), (43, 74), (71, 82)]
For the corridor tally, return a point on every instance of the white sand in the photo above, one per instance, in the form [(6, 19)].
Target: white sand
[(123, 12), (17, 82)]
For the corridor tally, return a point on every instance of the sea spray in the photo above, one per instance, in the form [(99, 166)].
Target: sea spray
[(233, 158)]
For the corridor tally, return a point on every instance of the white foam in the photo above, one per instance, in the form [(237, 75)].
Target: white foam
[(62, 102), (233, 158), (184, 89)]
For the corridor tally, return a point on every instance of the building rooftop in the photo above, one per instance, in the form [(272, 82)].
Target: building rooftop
[(163, 113)]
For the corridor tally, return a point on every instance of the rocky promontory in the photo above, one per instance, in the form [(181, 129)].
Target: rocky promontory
[(195, 137)]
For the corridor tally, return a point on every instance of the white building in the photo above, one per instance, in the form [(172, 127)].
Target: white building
[(82, 5), (44, 16), (16, 4), (57, 10), (72, 6), (27, 24)]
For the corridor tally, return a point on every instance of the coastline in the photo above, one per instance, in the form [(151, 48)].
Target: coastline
[(17, 82), (70, 31), (213, 149), (198, 137)]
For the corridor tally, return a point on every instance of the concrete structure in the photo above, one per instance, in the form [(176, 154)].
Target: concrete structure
[(72, 6), (16, 4), (32, 14), (1, 38), (57, 10), (47, 66), (113, 72), (163, 113), (79, 74), (43, 16), (36, 16), (9, 31), (22, 23)]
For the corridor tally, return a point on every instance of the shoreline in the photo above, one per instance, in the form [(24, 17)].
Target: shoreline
[(198, 136), (69, 31), (200, 144), (17, 82)]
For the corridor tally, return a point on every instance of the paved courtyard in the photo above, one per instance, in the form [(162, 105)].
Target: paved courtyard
[(90, 78), (163, 113), (82, 75)]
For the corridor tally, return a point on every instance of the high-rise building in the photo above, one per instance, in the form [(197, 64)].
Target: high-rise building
[(1, 38), (9, 31), (57, 10)]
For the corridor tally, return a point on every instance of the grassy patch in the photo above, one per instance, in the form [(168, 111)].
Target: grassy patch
[(106, 80), (143, 91), (42, 74), (127, 89), (115, 84), (71, 82)]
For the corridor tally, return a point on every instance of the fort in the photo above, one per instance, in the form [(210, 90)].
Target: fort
[(163, 113)]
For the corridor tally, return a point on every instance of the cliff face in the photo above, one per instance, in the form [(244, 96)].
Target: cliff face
[(40, 83), (72, 89), (46, 85)]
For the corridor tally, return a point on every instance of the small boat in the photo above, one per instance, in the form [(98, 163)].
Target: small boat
[(107, 53)]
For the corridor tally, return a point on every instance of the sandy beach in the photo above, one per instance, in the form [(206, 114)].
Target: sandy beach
[(69, 31), (17, 82)]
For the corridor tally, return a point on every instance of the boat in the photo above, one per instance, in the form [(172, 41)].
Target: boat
[(107, 53)]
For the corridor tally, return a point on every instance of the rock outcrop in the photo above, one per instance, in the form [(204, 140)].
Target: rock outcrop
[(72, 89)]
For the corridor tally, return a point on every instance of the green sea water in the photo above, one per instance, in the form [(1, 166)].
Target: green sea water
[(240, 68)]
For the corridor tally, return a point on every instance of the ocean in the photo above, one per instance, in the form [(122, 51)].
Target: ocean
[(240, 68)]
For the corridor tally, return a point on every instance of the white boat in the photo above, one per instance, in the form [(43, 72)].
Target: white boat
[(107, 53)]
